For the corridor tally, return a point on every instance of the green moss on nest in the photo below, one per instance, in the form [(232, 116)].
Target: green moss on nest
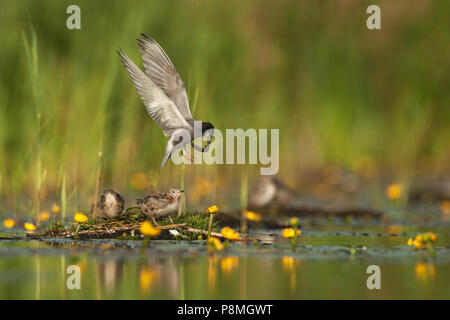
[(132, 218), (56, 226), (192, 219)]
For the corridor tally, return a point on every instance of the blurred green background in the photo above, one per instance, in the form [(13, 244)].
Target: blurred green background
[(340, 93)]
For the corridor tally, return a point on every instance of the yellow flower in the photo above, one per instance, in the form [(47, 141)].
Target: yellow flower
[(148, 230), (421, 240), (29, 226), (212, 209), (80, 217), (290, 233), (394, 191), (9, 223), (418, 245), (394, 229), (215, 243), (230, 234), (445, 207), (56, 209), (433, 237), (253, 216), (429, 236), (418, 242), (44, 216), (294, 221)]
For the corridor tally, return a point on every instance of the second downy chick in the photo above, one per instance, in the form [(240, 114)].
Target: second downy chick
[(111, 204)]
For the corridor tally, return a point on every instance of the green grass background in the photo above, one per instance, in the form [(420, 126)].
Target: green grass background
[(338, 92)]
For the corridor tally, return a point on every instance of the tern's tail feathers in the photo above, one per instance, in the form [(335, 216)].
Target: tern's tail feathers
[(168, 153)]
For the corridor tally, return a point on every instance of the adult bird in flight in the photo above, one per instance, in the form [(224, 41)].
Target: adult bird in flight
[(164, 95)]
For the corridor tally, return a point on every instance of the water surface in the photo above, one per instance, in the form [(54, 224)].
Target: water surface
[(322, 267)]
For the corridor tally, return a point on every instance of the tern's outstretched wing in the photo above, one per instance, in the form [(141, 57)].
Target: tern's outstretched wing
[(161, 71), (159, 106)]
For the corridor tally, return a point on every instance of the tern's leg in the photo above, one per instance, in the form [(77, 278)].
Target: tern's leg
[(154, 221), (188, 156)]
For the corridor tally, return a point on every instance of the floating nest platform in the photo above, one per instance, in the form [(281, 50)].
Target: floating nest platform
[(131, 232), (189, 226), (127, 227)]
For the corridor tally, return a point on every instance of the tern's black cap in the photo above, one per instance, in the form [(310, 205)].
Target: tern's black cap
[(206, 126)]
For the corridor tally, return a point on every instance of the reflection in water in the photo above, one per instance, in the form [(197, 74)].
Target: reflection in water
[(147, 278), (212, 272), (287, 263), (244, 274), (228, 264), (38, 278), (109, 273), (425, 271), (164, 273), (291, 265)]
